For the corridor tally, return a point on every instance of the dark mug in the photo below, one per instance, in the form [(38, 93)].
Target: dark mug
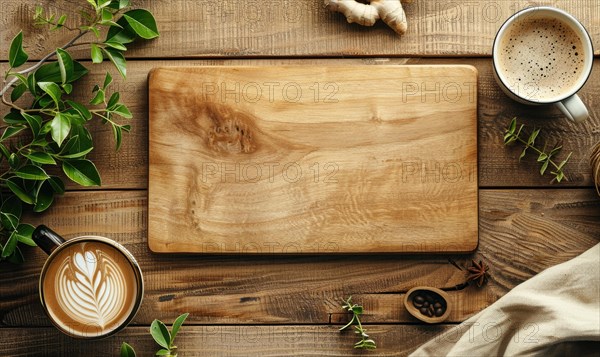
[(90, 287)]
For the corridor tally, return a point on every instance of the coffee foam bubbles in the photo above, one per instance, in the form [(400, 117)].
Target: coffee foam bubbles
[(90, 288), (541, 58)]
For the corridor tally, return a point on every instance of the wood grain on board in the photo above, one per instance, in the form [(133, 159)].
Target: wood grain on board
[(522, 233), (296, 159), (234, 28), (498, 166)]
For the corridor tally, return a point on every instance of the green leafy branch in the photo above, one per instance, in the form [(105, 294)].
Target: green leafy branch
[(45, 127), (162, 336), (512, 135), (356, 310)]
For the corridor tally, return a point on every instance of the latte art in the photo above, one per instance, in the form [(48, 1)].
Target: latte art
[(90, 288), (93, 290)]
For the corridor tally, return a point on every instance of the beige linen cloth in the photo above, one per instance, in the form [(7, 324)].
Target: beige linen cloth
[(555, 313)]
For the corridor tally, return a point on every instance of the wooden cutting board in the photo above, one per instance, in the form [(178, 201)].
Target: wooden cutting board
[(305, 159)]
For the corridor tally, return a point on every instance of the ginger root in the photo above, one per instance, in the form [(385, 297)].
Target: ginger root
[(390, 11)]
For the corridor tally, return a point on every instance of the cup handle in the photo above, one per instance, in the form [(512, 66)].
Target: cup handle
[(46, 239), (573, 108)]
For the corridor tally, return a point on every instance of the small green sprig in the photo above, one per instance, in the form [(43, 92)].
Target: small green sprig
[(356, 310), (511, 135), (162, 336)]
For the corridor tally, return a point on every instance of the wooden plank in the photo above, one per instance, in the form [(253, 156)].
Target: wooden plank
[(498, 166), (521, 233), (233, 28), (254, 340), (339, 159)]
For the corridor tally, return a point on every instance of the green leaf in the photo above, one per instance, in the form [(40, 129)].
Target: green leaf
[(65, 65), (67, 87), (116, 45), (103, 3), (532, 137), (44, 197), (14, 186), (17, 92), (57, 184), (44, 102), (81, 109), (107, 80), (32, 84), (14, 117), (544, 167), (10, 212), (117, 59), (555, 151), (16, 55), (523, 153), (50, 72), (61, 20), (357, 309), (41, 157), (542, 157), (32, 172), (35, 123), (96, 53), (93, 3), (83, 172), (11, 131), (126, 128), (564, 162), (52, 89), (98, 98), (117, 133), (176, 325), (77, 154), (38, 11), (24, 232), (16, 257), (10, 246), (61, 126), (4, 151), (160, 334), (112, 102), (122, 35), (520, 129), (123, 111), (559, 176), (163, 352), (512, 126), (142, 22), (127, 350), (119, 4), (13, 160), (106, 15)]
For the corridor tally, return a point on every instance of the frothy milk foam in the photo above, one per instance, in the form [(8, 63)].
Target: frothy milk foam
[(541, 58), (90, 288)]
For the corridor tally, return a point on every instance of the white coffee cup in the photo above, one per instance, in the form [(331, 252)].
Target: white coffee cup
[(566, 99)]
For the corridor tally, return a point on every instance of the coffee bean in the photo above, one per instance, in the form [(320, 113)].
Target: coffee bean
[(437, 305), (424, 310), (429, 298), (439, 312), (426, 304), (419, 299), (417, 304)]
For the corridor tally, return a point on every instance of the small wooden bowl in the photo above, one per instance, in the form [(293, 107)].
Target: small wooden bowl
[(408, 303)]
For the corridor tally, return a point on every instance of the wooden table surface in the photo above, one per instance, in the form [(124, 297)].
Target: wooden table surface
[(279, 305)]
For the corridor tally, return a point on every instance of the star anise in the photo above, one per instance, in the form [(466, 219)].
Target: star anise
[(478, 272)]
